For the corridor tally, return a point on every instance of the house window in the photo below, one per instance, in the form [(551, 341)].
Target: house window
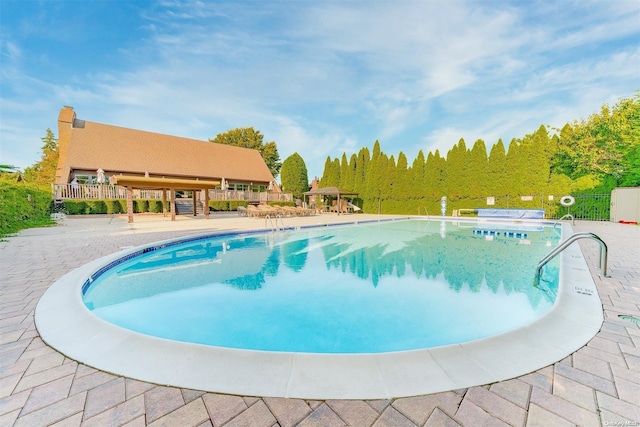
[(86, 179)]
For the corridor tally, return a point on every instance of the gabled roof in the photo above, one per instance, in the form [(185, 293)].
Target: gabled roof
[(112, 148)]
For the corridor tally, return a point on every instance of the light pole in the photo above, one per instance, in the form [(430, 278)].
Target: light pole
[(379, 199)]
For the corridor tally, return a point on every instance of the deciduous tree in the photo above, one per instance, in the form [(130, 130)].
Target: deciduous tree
[(251, 138)]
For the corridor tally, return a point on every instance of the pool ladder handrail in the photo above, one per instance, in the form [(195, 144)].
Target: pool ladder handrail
[(562, 246), (568, 216), (274, 222), (425, 212)]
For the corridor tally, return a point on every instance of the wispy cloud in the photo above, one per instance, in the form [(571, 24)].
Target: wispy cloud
[(319, 78)]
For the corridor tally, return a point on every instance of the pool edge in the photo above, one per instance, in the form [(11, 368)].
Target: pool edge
[(82, 336)]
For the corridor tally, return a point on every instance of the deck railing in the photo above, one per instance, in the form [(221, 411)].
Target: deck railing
[(108, 192), (99, 192)]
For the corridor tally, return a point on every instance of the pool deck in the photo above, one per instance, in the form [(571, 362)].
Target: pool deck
[(597, 385)]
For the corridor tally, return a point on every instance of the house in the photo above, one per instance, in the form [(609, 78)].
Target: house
[(86, 146), (131, 160)]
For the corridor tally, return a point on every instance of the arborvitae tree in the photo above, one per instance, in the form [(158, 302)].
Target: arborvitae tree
[(515, 162), (344, 173), (497, 184), (294, 175), (605, 146), (534, 170), (435, 175), (331, 174), (375, 173), (390, 182), (402, 188), (360, 180), (417, 176), (478, 167), (456, 172), (351, 177), (44, 171)]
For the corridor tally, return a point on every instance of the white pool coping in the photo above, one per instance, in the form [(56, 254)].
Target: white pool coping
[(65, 324)]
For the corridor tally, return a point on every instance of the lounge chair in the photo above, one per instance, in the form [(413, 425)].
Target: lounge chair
[(253, 211), (268, 210)]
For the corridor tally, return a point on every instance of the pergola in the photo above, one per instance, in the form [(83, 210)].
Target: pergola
[(331, 191), (164, 184)]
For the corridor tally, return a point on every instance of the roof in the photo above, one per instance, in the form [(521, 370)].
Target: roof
[(161, 183), (330, 191), (116, 149)]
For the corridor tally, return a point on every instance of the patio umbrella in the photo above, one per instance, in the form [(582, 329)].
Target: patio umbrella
[(100, 180)]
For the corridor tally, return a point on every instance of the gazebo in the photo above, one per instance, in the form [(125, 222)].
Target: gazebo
[(331, 191), (171, 184)]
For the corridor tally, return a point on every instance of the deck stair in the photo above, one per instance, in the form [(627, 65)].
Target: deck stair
[(185, 207)]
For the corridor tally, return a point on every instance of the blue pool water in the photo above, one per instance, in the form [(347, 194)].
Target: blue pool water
[(364, 288)]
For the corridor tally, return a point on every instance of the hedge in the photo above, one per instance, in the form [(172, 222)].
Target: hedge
[(226, 205), (23, 206), (116, 206), (282, 203)]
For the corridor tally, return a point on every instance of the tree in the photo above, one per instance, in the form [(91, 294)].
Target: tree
[(605, 145), (417, 187), (497, 171), (250, 138), (478, 166), (10, 173), (331, 174), (44, 171), (294, 175)]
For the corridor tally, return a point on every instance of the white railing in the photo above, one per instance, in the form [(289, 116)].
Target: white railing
[(105, 192), (99, 191)]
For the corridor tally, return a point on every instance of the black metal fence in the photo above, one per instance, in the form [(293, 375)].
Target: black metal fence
[(591, 207)]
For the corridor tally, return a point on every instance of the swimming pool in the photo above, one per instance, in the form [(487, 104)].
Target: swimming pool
[(65, 323), (358, 288)]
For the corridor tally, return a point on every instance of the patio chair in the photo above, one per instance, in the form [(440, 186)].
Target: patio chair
[(254, 212)]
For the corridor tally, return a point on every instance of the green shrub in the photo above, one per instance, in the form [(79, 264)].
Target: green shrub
[(218, 205), (233, 204), (96, 207), (23, 206), (113, 207), (76, 207), (155, 206)]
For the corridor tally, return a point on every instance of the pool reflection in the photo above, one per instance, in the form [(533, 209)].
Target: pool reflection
[(467, 260)]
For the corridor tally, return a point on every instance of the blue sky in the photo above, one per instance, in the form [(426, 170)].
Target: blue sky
[(317, 77)]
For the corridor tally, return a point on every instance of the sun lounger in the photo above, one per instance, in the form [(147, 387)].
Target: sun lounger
[(254, 212)]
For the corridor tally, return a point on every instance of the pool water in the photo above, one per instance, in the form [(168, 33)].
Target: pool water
[(363, 288)]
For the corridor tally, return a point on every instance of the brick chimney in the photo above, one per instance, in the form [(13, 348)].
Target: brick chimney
[(65, 123)]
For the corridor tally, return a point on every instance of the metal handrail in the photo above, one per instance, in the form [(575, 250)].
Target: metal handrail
[(274, 227), (425, 211), (573, 220), (562, 246)]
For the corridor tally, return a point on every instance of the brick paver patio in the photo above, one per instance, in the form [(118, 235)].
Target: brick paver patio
[(597, 385)]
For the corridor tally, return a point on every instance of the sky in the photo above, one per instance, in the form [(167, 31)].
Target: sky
[(320, 78)]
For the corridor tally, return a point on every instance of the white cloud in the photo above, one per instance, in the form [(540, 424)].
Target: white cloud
[(326, 78)]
